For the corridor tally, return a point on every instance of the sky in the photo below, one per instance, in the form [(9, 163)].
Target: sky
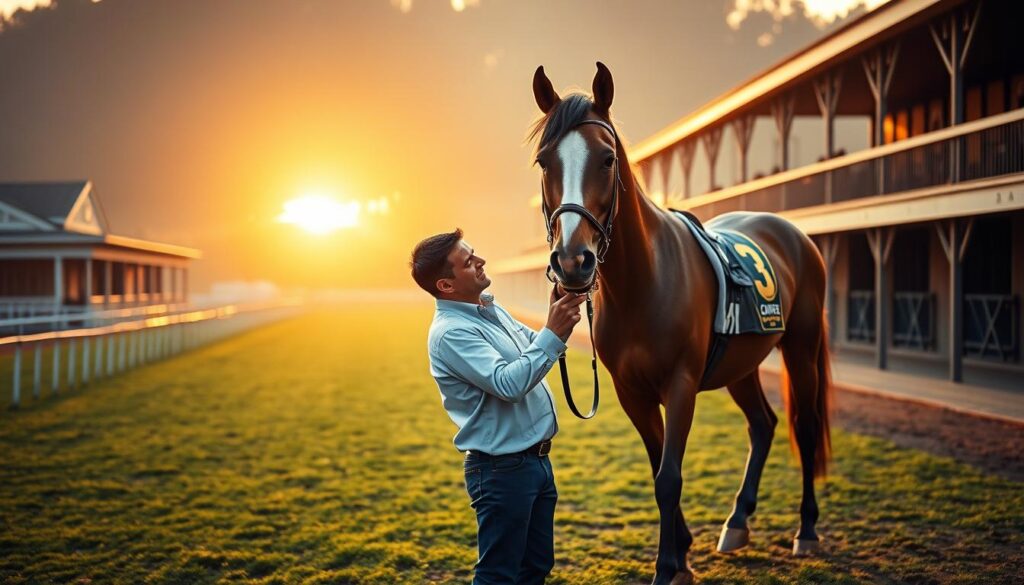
[(199, 120)]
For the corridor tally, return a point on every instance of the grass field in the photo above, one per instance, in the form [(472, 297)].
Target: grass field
[(316, 450)]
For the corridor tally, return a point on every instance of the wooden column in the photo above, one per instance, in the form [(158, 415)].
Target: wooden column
[(108, 268), (953, 39), (782, 113), (826, 90), (58, 283), (88, 288), (173, 272), (665, 166), (880, 241), (686, 150), (954, 236), (829, 244), (879, 66), (712, 140), (743, 131)]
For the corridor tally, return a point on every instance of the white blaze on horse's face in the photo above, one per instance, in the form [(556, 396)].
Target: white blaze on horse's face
[(572, 151)]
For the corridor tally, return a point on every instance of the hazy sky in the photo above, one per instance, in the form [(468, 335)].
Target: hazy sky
[(198, 119)]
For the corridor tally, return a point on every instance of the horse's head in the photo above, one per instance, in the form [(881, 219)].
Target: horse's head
[(579, 158)]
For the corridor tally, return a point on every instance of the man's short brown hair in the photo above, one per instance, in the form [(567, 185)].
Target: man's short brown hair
[(430, 260)]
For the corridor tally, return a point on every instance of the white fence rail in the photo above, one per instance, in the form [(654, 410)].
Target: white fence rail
[(80, 356), (61, 320)]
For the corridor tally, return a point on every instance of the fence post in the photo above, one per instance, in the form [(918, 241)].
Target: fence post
[(85, 360), (55, 380), (16, 390), (71, 363), (123, 340), (37, 370), (110, 354), (98, 365)]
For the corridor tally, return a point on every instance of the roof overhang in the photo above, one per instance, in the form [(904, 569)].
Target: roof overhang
[(874, 27), (67, 238)]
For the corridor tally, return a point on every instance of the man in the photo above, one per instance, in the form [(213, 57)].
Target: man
[(490, 370)]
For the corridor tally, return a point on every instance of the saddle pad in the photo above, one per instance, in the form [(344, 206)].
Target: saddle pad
[(763, 296), (748, 295)]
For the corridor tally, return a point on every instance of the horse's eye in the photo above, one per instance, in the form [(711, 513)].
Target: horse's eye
[(609, 162), (541, 164)]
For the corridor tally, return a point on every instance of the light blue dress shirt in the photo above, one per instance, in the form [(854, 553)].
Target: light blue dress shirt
[(490, 370)]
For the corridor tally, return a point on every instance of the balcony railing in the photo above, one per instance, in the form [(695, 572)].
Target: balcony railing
[(986, 148), (913, 320), (991, 323), (860, 316)]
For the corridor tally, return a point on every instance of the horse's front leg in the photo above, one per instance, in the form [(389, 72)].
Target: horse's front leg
[(672, 567)]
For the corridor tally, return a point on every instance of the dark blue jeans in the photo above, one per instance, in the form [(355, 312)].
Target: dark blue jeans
[(514, 497)]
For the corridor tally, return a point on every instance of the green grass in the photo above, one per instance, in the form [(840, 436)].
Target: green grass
[(316, 450)]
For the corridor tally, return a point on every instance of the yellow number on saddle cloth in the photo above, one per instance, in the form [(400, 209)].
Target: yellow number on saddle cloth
[(767, 287), (769, 309)]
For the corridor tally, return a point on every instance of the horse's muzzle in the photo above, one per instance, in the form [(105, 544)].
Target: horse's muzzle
[(576, 272)]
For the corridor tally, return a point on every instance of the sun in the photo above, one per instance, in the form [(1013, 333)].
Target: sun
[(320, 214)]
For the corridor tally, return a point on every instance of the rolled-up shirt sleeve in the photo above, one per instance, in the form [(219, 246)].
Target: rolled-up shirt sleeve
[(473, 359)]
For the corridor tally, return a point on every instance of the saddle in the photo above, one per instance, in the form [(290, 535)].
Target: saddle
[(748, 295)]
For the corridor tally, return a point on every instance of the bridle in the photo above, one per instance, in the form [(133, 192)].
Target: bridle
[(605, 231)]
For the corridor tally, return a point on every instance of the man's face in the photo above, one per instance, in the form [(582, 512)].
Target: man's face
[(468, 277)]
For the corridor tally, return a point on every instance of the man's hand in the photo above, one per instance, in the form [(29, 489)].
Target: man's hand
[(564, 312)]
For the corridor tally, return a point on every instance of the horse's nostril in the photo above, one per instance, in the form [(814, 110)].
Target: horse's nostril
[(589, 260), (556, 265)]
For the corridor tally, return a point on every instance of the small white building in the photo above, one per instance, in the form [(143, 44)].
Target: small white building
[(57, 256)]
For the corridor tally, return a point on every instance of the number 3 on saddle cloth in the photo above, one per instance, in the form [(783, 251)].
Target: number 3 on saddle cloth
[(748, 292)]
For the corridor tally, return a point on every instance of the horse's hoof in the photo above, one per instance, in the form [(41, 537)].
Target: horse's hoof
[(803, 548), (733, 539), (683, 578)]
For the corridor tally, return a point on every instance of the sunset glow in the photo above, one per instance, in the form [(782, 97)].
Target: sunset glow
[(320, 214)]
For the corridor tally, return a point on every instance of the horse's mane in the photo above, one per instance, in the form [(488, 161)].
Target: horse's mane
[(551, 127)]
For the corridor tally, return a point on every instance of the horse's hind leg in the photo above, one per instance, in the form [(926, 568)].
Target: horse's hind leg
[(805, 353), (761, 421)]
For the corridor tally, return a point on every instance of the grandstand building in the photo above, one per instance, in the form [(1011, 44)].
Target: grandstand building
[(57, 256), (922, 229)]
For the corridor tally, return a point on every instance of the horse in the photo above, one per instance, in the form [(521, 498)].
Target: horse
[(653, 315)]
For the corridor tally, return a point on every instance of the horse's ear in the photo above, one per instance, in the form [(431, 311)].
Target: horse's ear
[(543, 92), (604, 90)]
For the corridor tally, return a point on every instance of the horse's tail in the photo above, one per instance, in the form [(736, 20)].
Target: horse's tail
[(810, 414)]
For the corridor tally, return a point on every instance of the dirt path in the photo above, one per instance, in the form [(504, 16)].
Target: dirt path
[(992, 445)]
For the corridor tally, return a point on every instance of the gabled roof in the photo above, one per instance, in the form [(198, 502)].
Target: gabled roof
[(61, 206), (64, 213)]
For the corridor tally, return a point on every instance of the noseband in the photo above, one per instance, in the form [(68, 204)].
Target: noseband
[(604, 230)]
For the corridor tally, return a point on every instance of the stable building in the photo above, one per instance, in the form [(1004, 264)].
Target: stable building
[(922, 231), (57, 256)]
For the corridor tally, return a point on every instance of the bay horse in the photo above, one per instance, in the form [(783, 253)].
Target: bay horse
[(654, 313)]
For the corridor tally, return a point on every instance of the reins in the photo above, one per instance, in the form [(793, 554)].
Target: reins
[(605, 232), (593, 365)]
